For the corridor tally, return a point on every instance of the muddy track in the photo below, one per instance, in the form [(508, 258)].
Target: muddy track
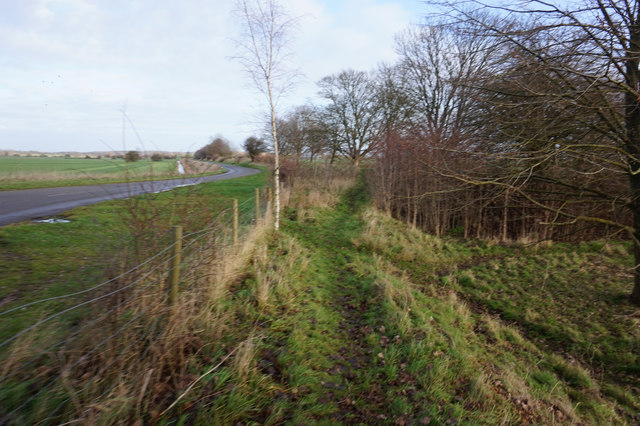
[(350, 300), (354, 384), (355, 356)]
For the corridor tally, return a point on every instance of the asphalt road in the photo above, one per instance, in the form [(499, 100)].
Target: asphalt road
[(17, 206)]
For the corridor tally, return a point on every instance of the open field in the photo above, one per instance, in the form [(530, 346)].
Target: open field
[(41, 172), (349, 316)]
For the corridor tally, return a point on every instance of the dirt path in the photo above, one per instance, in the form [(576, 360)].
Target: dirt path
[(332, 360)]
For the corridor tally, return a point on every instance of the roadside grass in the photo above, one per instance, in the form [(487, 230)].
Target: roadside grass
[(34, 172), (137, 358), (41, 260), (146, 371), (106, 351)]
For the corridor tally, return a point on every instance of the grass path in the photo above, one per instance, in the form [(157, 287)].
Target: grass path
[(321, 357), (344, 331), (339, 345), (345, 389)]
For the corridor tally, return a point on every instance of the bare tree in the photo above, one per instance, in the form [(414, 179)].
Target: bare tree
[(291, 130), (302, 133), (254, 146), (264, 45), (218, 147), (353, 111), (316, 132), (565, 96), (440, 64), (429, 103)]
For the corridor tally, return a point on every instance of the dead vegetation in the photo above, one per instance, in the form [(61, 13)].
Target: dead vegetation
[(195, 167)]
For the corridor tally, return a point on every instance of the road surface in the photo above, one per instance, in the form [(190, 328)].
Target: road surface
[(17, 206)]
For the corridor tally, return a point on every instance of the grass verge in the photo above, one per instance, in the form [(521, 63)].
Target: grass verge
[(347, 316), (42, 260)]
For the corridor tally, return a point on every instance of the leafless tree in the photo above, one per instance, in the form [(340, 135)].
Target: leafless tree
[(566, 97), (254, 146), (218, 147), (440, 64), (429, 105), (266, 36), (302, 133), (398, 108), (353, 112)]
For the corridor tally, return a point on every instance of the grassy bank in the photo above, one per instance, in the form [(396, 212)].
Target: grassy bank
[(348, 316), (41, 260), (344, 332)]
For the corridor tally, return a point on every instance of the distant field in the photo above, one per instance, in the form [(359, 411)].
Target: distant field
[(37, 172), (81, 167)]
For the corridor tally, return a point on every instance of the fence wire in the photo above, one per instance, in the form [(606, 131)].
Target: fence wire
[(215, 237)]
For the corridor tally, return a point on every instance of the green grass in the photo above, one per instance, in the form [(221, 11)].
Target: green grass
[(98, 243), (570, 301), (574, 298), (42, 260), (79, 166), (36, 172), (353, 330), (347, 316)]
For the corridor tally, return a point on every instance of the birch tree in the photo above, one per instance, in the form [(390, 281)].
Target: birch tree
[(266, 36)]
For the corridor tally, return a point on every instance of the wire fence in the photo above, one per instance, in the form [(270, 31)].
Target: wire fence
[(88, 337)]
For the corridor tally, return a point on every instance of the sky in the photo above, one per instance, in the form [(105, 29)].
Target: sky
[(158, 75)]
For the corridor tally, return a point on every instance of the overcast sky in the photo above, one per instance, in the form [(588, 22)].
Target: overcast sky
[(69, 68)]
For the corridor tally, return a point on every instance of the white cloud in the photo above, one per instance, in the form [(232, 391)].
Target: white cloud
[(69, 66)]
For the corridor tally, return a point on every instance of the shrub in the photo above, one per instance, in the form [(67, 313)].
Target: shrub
[(131, 156)]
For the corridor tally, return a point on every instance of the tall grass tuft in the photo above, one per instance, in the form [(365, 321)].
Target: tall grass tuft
[(134, 354)]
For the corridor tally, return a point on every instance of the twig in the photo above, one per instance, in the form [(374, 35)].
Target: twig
[(144, 389), (197, 380)]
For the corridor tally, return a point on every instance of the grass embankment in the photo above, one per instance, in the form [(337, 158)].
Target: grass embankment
[(347, 319), (35, 172), (41, 260), (349, 316), (86, 357)]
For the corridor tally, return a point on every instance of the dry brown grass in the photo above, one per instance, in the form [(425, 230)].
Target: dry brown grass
[(195, 167), (243, 360), (319, 184), (142, 354)]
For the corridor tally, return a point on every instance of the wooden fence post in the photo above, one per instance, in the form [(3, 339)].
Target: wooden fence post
[(269, 209), (257, 205), (235, 221), (176, 258)]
